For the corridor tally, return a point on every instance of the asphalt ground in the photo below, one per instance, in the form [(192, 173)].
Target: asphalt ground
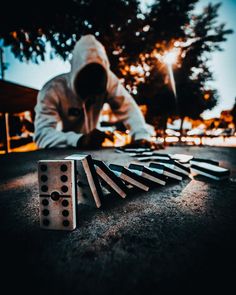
[(177, 238)]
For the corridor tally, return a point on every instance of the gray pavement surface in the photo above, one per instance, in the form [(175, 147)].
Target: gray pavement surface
[(178, 238)]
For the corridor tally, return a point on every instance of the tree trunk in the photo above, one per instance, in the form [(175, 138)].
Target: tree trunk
[(2, 66), (181, 126)]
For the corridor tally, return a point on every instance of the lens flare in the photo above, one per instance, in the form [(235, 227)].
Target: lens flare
[(170, 57)]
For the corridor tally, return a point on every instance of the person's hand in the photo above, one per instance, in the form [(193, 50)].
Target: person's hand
[(144, 143), (94, 139)]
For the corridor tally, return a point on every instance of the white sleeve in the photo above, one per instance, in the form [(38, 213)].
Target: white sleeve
[(47, 123), (126, 109)]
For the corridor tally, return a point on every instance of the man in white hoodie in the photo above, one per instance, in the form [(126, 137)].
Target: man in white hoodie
[(69, 105)]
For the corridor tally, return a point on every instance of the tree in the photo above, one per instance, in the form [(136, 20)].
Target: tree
[(61, 23), (194, 37), (233, 113)]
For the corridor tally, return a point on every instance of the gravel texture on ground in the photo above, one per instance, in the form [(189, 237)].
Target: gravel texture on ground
[(176, 238)]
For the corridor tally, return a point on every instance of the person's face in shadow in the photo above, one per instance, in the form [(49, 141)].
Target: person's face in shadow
[(91, 81)]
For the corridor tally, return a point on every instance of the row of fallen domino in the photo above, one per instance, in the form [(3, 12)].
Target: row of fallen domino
[(79, 179)]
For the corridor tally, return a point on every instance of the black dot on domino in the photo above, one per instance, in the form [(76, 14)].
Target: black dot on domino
[(65, 213), (46, 222), (64, 188), (63, 168), (45, 202), (45, 212), (44, 178), (44, 188), (80, 184), (66, 222), (65, 203), (43, 167), (64, 178), (55, 196)]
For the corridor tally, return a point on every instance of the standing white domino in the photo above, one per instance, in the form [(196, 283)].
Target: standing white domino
[(89, 190), (57, 194)]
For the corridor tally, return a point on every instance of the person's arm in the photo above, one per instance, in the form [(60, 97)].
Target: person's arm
[(126, 109), (48, 124)]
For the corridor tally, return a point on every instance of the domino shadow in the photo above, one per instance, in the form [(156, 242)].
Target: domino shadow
[(111, 201)]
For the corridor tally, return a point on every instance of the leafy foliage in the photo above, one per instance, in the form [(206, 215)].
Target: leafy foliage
[(196, 36), (135, 42)]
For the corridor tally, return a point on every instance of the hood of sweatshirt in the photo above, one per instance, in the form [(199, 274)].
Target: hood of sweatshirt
[(87, 50)]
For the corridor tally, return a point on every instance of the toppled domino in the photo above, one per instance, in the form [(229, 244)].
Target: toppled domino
[(113, 182), (89, 191), (153, 153), (209, 170), (162, 169), (131, 150), (57, 194), (182, 158), (174, 165), (209, 161), (147, 173), (129, 177), (141, 154), (154, 156)]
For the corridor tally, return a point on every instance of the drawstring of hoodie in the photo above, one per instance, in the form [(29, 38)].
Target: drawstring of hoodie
[(86, 124)]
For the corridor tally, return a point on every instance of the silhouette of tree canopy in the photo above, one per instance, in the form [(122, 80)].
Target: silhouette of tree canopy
[(196, 37), (135, 43), (62, 23)]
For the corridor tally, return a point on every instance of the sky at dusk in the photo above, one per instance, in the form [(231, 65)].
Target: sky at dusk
[(223, 63)]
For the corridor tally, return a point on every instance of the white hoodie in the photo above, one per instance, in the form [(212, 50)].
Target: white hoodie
[(61, 117)]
